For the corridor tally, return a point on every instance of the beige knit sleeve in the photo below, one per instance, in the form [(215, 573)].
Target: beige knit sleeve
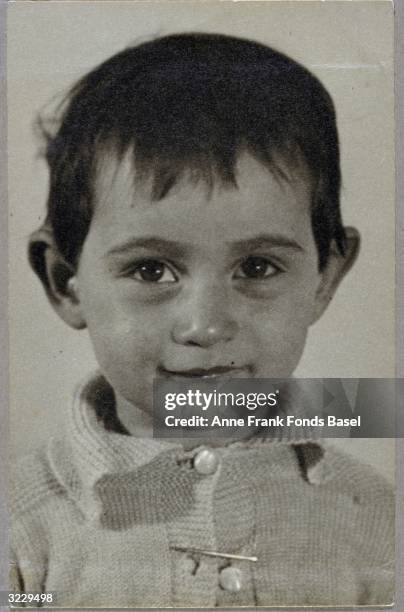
[(20, 584), (15, 580), (27, 562), (380, 578), (379, 549)]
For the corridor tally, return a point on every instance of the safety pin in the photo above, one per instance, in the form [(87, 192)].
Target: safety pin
[(212, 553)]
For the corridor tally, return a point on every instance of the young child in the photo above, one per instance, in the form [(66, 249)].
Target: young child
[(194, 229)]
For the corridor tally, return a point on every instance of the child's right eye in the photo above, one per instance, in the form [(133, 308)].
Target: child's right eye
[(153, 271)]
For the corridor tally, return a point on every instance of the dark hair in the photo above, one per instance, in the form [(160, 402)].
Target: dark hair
[(193, 101)]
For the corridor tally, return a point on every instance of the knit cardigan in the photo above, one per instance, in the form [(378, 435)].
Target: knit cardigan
[(110, 520)]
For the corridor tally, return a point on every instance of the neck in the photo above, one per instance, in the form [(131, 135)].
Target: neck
[(140, 425)]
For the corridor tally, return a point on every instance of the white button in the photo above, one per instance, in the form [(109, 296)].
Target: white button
[(230, 579), (206, 462)]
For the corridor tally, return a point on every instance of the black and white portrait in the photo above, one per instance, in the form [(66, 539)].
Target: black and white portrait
[(197, 190)]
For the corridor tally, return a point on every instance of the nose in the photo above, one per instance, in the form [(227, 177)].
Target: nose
[(205, 319)]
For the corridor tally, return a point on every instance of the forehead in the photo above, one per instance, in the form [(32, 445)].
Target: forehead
[(260, 200)]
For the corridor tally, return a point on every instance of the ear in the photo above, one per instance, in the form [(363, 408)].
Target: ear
[(337, 267), (57, 277)]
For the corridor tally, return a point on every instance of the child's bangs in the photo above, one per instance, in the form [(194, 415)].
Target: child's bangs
[(161, 168)]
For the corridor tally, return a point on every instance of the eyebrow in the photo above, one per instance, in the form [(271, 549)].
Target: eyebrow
[(159, 245), (266, 240), (181, 249)]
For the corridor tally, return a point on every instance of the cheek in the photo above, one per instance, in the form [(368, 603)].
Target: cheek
[(284, 333), (280, 348), (124, 336), (281, 329)]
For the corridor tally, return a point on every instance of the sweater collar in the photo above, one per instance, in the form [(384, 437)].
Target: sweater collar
[(90, 451)]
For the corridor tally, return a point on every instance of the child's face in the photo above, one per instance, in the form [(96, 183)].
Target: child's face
[(221, 283)]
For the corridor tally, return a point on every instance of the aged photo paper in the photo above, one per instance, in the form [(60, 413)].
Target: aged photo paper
[(198, 192)]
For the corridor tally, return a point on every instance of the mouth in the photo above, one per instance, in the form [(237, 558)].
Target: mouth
[(214, 373)]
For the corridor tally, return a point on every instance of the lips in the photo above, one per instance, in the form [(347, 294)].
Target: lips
[(215, 372)]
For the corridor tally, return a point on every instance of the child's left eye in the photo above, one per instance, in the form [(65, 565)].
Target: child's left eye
[(153, 271), (256, 267)]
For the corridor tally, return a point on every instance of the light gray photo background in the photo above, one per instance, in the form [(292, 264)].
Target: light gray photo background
[(32, 420), (349, 46)]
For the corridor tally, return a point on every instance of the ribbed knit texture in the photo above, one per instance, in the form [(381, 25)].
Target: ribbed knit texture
[(108, 520)]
